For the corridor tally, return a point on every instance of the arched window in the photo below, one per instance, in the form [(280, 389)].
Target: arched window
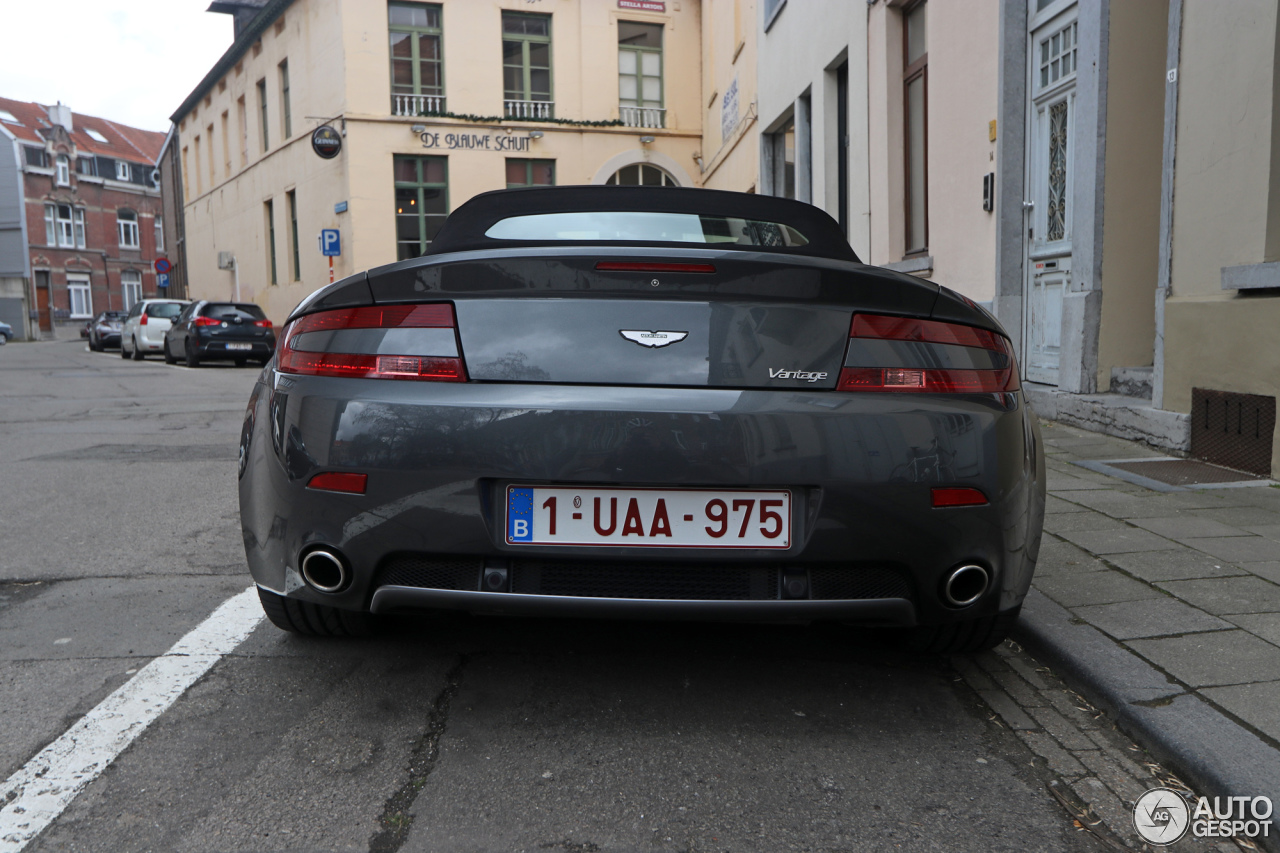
[(130, 287), (127, 228), (641, 175), (64, 170)]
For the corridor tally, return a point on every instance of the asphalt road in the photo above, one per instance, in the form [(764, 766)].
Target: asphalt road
[(119, 534)]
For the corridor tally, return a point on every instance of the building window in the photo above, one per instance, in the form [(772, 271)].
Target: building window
[(526, 65), (915, 155), (122, 169), (86, 166), (127, 228), (641, 175), (186, 183), (242, 116), (64, 170), (66, 229), (131, 287), (293, 234), (271, 241), (285, 110), (771, 9), (159, 233), (531, 173), (1058, 55), (226, 143), (36, 157), (417, 65), (422, 202), (77, 220), (50, 233), (196, 164), (213, 158), (783, 150), (640, 74), (81, 303), (262, 112)]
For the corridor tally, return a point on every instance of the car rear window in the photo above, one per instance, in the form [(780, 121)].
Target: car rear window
[(230, 311), (645, 227), (165, 310)]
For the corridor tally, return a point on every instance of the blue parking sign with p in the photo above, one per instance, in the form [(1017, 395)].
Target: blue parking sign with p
[(162, 280), (520, 515), (330, 242)]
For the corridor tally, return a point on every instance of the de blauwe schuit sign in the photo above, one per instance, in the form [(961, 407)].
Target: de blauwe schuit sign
[(474, 141)]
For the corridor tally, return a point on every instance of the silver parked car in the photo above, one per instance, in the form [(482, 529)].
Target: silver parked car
[(145, 326)]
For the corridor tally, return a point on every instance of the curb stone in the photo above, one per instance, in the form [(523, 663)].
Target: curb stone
[(1209, 750)]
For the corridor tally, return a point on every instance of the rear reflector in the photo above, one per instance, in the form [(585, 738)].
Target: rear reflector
[(352, 484), (619, 266), (922, 344), (958, 497), (370, 365)]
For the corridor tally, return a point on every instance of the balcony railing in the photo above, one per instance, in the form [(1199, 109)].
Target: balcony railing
[(529, 109), (643, 116), (416, 105)]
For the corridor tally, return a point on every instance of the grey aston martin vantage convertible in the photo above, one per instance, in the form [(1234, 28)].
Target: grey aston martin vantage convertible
[(643, 402)]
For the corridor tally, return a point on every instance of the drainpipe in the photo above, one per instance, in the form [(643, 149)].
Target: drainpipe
[(1164, 272)]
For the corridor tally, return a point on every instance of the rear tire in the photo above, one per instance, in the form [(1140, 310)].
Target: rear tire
[(137, 353), (313, 620), (967, 637), (124, 353), (240, 362), (94, 347), (168, 356), (193, 360)]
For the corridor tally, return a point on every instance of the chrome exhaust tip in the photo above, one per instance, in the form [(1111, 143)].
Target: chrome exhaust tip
[(965, 585), (324, 570)]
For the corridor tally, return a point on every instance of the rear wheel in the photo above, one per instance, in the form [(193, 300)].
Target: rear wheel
[(193, 360), (168, 356), (93, 345), (137, 353), (124, 353), (967, 637), (314, 620)]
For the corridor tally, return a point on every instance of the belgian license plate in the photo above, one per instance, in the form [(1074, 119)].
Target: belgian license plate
[(239, 346), (648, 518)]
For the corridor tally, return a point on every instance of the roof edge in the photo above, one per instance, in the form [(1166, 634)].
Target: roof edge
[(238, 48)]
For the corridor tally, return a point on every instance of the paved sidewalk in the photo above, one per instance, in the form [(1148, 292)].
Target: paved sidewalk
[(1164, 607)]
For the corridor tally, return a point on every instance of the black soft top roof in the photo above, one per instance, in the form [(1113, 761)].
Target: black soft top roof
[(465, 228)]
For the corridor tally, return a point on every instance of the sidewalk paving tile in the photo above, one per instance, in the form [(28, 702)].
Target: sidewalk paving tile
[(1178, 564), (1265, 625), (1123, 541), (1188, 526), (1228, 595), (1059, 556), (1212, 659), (1158, 617), (1271, 531), (1238, 516), (1055, 505), (1094, 588), (1211, 500), (1088, 520), (1120, 504), (1256, 704), (1238, 549), (1269, 570), (1056, 482)]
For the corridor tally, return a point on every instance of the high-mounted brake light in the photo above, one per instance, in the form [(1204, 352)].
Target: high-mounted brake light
[(329, 359), (940, 357), (627, 266)]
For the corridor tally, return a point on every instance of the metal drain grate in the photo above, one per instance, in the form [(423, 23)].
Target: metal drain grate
[(1184, 472), (1233, 430)]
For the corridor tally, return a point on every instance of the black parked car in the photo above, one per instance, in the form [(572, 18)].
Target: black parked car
[(213, 331), (104, 330), (626, 401)]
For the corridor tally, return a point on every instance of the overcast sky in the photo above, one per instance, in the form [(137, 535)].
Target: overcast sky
[(131, 61)]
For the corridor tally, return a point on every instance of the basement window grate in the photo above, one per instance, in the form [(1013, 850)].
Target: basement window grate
[(1233, 430)]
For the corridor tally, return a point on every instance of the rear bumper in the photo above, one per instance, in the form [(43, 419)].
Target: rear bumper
[(217, 349), (439, 456)]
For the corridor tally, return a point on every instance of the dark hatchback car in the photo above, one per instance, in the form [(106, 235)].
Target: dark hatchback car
[(634, 402), (226, 331), (104, 330)]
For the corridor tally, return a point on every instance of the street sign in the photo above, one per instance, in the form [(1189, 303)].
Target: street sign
[(163, 265), (162, 280), (330, 242)]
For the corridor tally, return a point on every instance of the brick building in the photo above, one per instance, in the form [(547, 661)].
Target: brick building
[(94, 223)]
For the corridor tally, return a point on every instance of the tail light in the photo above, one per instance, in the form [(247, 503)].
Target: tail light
[(206, 321), (142, 321), (926, 356), (335, 343), (263, 324)]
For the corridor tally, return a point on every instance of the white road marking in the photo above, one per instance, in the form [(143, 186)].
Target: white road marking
[(40, 791)]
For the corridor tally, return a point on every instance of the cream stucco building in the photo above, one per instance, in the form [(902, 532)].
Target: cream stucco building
[(433, 103)]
